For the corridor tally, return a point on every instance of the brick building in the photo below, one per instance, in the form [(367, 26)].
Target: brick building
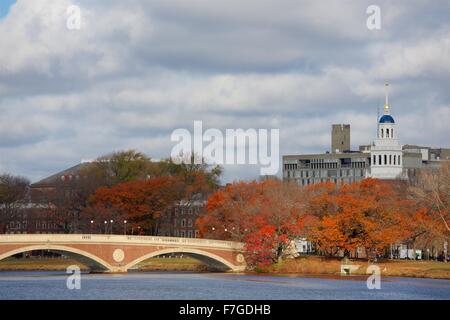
[(36, 213), (180, 220)]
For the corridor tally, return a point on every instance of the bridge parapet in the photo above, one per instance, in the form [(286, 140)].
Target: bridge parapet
[(118, 253), (124, 239)]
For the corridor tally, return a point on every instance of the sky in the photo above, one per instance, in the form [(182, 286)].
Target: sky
[(137, 70)]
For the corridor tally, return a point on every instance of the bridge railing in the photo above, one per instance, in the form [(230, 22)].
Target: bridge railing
[(125, 239)]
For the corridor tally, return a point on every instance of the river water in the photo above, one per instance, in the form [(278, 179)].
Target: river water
[(211, 286)]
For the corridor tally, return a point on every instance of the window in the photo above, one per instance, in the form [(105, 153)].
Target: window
[(182, 234), (190, 234), (390, 159), (385, 159), (374, 159), (382, 133), (183, 223), (379, 160), (392, 133), (174, 222), (387, 133), (399, 160), (190, 223), (394, 159)]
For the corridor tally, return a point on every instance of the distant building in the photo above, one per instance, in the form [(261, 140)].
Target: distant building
[(385, 158), (340, 138), (36, 213), (180, 219)]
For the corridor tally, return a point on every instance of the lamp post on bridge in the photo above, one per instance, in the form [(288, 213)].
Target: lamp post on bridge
[(92, 224), (125, 227), (111, 226), (106, 225)]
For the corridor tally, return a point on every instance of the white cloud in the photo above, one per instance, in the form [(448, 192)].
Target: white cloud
[(138, 70)]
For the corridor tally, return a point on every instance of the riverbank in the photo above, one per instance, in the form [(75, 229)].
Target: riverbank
[(309, 265), (315, 265), (59, 263)]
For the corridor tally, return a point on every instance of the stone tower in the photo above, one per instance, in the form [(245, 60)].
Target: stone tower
[(340, 138)]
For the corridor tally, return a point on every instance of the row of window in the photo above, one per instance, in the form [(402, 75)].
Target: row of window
[(385, 159), (327, 173), (17, 225), (186, 234), (304, 182), (189, 210), (290, 166), (190, 223)]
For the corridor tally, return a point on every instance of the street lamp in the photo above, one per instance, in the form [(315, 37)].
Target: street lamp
[(125, 227), (92, 224), (111, 225), (106, 225)]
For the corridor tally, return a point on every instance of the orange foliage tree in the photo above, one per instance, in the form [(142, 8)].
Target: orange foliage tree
[(265, 215), (369, 214), (139, 202)]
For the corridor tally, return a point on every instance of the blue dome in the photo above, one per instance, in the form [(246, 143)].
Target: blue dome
[(387, 119)]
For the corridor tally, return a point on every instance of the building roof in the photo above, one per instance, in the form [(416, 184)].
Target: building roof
[(387, 118), (354, 154), (53, 179)]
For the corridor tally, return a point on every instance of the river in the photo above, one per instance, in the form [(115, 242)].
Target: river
[(198, 286)]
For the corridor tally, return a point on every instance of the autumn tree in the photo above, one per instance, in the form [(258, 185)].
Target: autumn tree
[(368, 214), (70, 196), (139, 202), (265, 215), (13, 190), (432, 191), (121, 166), (197, 176)]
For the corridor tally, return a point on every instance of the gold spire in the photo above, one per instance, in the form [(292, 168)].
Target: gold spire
[(386, 104)]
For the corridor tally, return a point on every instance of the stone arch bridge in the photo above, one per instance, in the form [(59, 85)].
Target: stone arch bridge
[(120, 253)]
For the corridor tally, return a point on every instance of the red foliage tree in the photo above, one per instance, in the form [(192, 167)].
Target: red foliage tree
[(138, 202), (265, 215)]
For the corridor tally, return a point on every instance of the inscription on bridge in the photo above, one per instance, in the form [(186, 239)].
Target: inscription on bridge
[(119, 253)]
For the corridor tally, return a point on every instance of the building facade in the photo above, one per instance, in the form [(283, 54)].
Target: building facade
[(180, 219), (386, 153), (385, 158)]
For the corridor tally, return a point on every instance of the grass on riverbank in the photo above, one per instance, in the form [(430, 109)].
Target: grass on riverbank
[(56, 264), (38, 264), (309, 265), (390, 268)]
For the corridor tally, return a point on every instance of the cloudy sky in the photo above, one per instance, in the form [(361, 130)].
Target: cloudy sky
[(137, 70)]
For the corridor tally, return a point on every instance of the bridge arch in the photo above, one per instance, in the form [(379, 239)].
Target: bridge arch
[(93, 262), (204, 256)]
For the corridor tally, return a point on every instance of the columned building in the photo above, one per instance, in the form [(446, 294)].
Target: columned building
[(384, 159), (386, 152)]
